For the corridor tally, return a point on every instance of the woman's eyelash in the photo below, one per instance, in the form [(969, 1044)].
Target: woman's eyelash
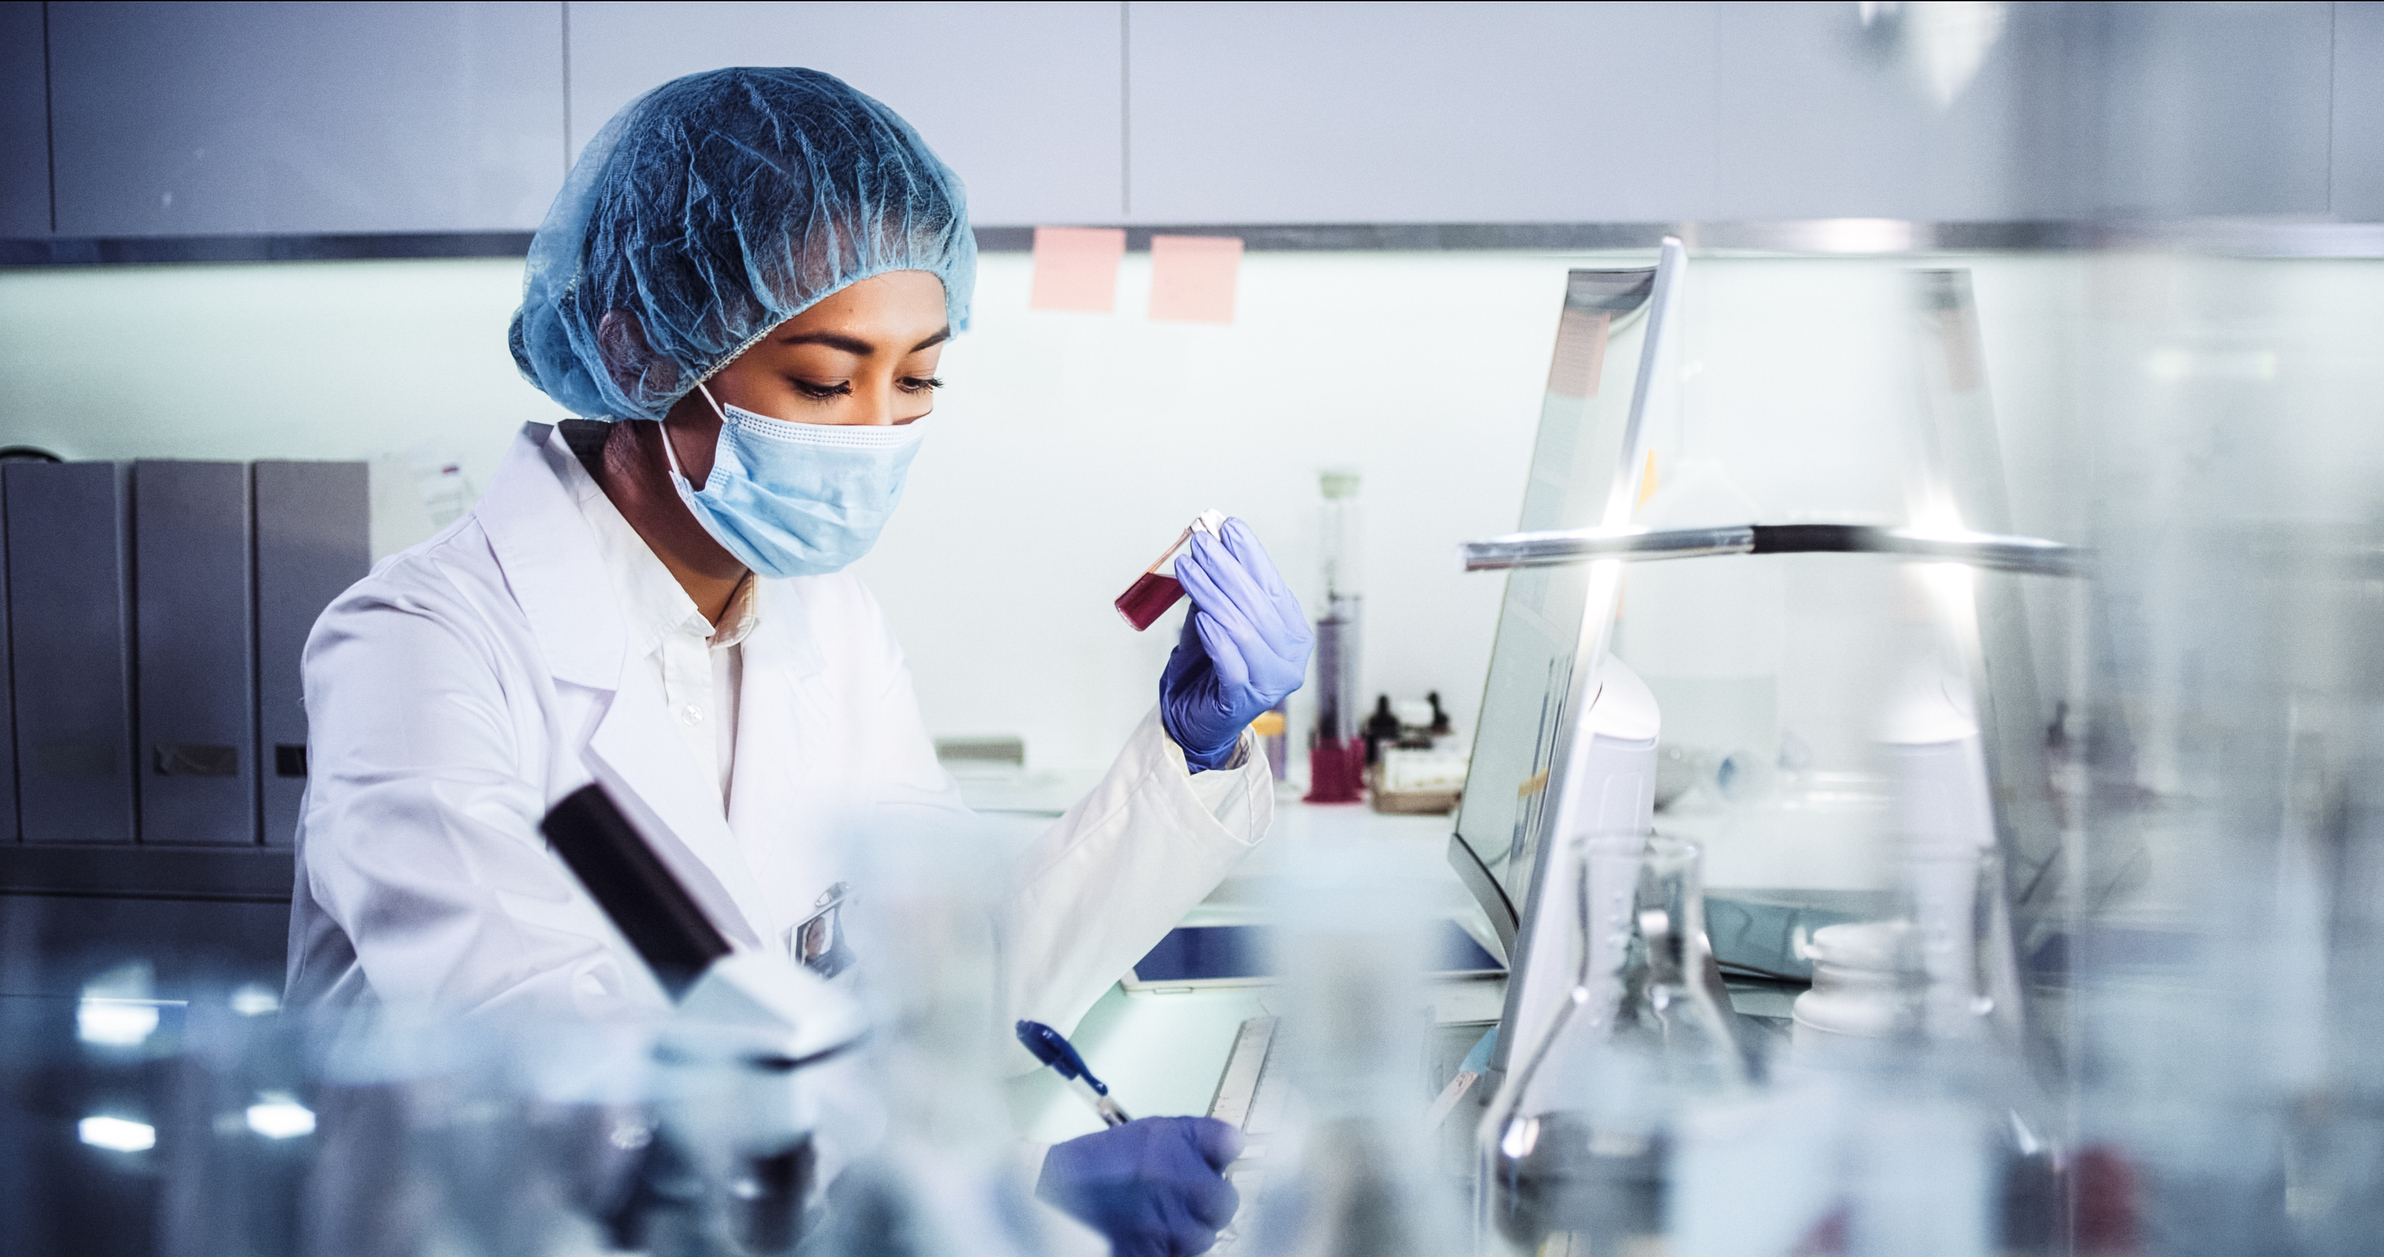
[(822, 392), (922, 383)]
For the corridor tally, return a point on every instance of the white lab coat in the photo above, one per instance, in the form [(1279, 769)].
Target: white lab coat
[(469, 683)]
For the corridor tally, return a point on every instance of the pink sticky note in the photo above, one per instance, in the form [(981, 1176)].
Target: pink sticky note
[(1076, 268), (1580, 352), (1193, 277)]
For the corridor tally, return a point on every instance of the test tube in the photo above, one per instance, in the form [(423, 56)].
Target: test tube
[(1153, 592), (1337, 755)]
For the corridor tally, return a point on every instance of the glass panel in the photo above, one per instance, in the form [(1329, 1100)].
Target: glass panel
[(1583, 414)]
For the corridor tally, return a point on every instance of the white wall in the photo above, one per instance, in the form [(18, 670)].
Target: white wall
[(1070, 447)]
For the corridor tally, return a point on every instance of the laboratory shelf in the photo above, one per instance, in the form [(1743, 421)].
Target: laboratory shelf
[(148, 871)]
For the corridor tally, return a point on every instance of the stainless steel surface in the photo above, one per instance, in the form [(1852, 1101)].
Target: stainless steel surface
[(1826, 237), (1575, 545), (1581, 545), (1237, 1087)]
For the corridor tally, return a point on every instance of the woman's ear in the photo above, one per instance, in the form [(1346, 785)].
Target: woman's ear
[(635, 369)]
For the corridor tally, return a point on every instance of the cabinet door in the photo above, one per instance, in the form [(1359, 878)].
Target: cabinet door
[(24, 124), (2217, 109), (2047, 111), (2357, 188), (1820, 116), (1274, 113), (1023, 100), (175, 119)]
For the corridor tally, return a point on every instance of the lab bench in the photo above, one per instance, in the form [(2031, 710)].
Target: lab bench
[(1163, 1049)]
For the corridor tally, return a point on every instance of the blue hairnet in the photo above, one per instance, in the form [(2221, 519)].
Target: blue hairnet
[(711, 210)]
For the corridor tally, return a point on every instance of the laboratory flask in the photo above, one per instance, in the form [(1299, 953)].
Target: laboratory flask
[(1347, 1168), (1575, 1149), (489, 1136), (915, 1142)]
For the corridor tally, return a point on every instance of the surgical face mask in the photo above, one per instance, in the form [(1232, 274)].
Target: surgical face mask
[(797, 499)]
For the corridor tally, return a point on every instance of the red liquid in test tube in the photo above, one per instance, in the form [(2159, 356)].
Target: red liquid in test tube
[(1152, 593), (1148, 598)]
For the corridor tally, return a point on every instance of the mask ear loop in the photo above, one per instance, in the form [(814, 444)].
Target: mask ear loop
[(671, 452)]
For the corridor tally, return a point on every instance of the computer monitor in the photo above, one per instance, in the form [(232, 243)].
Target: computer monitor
[(1555, 622)]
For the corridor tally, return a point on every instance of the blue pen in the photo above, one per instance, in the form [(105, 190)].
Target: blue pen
[(1053, 1049)]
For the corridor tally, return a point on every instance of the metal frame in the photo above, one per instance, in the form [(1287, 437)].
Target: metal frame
[(1847, 237), (1582, 545)]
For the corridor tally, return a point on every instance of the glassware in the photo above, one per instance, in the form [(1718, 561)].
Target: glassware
[(1337, 756), (1348, 1169), (1574, 1149), (1153, 592), (916, 1143)]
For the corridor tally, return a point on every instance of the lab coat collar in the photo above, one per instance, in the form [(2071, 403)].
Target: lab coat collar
[(552, 562)]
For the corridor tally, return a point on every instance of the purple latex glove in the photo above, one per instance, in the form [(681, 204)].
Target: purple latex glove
[(1155, 1187), (1245, 645)]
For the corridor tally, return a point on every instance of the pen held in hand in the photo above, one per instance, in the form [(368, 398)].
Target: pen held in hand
[(1053, 1049)]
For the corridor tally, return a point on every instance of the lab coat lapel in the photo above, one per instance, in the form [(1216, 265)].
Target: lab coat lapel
[(792, 795), (641, 760), (556, 571)]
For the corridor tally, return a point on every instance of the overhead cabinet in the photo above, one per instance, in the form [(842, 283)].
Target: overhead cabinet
[(205, 119), (24, 124), (1489, 113), (1025, 101), (150, 120)]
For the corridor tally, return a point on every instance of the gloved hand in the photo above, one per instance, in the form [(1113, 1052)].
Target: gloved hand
[(1245, 646), (1156, 1187)]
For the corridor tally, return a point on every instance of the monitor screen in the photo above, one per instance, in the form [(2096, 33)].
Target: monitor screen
[(1602, 361)]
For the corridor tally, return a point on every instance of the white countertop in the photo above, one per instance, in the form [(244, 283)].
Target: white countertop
[(1161, 1052)]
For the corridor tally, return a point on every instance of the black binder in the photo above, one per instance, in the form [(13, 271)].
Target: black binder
[(313, 540), (193, 654), (70, 627), (8, 724)]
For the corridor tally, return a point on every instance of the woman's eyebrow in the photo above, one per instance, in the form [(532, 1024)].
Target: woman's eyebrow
[(854, 345)]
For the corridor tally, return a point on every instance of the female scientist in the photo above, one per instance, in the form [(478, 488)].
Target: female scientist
[(744, 288)]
